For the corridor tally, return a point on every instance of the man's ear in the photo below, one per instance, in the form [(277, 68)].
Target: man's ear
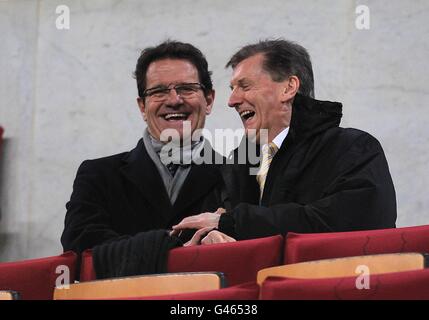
[(140, 103), (290, 89), (210, 96)]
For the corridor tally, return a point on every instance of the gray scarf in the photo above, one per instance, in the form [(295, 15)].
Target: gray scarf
[(164, 156)]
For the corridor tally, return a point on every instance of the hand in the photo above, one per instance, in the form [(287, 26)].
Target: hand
[(196, 238), (200, 221), (208, 236), (216, 236)]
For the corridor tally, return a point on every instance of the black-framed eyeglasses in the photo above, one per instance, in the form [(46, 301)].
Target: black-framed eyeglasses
[(184, 90)]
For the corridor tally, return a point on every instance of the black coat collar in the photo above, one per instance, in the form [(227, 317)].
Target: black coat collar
[(140, 170), (309, 117)]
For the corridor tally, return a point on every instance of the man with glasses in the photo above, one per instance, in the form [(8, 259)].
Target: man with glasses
[(314, 176), (122, 205)]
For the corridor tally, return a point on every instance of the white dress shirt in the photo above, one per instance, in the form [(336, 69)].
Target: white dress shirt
[(278, 140)]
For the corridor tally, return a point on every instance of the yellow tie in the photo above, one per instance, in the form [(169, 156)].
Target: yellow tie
[(268, 152)]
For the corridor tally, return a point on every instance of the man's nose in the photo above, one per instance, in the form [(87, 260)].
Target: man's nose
[(235, 99), (173, 98)]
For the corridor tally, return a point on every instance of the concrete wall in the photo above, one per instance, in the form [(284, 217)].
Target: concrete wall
[(69, 95)]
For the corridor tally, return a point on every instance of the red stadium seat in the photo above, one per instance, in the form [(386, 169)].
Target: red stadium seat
[(316, 246), (408, 285), (239, 261), (36, 279), (87, 272)]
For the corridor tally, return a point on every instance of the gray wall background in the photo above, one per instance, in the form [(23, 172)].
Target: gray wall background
[(69, 95)]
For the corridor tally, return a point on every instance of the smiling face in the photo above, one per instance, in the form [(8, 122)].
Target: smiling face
[(261, 102), (175, 109)]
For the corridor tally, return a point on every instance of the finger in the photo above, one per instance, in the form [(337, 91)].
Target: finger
[(185, 220), (196, 238), (189, 225), (175, 232), (193, 242), (203, 231), (192, 221), (206, 240), (220, 211), (213, 237), (207, 219), (217, 237), (228, 238), (184, 224)]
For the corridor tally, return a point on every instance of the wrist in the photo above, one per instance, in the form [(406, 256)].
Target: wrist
[(227, 224)]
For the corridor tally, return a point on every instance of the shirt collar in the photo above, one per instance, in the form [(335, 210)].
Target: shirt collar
[(278, 140)]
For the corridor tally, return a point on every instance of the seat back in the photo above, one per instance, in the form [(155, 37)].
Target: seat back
[(240, 261), (9, 295), (408, 285), (347, 267), (140, 286), (36, 278), (316, 246), (87, 272), (228, 258)]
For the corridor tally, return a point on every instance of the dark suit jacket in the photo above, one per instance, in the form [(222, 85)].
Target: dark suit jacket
[(123, 195), (323, 178)]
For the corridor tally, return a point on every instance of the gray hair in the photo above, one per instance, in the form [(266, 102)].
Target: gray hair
[(282, 59)]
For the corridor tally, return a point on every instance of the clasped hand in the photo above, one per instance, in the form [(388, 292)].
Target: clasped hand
[(205, 223)]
